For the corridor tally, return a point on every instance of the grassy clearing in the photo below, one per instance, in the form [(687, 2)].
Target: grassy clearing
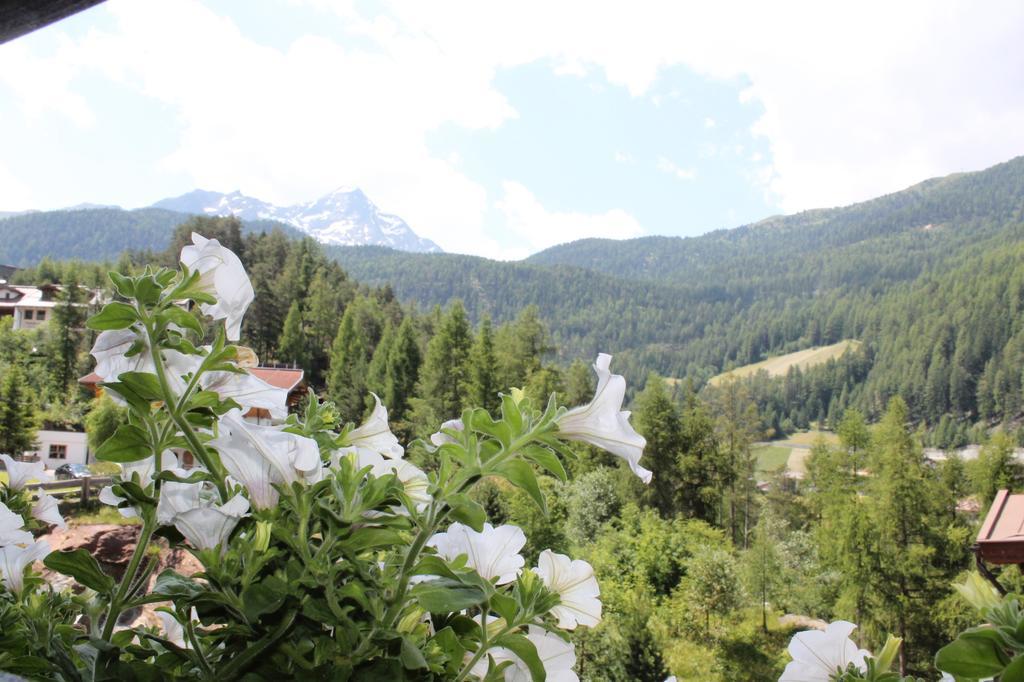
[(808, 438), (797, 460), (101, 514), (770, 458), (779, 365)]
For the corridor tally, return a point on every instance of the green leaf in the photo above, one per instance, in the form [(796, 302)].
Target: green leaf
[(175, 586), (411, 657), (547, 459), (1015, 671), (81, 566), (140, 404), (468, 511), (147, 290), (142, 384), (452, 648), (525, 650), (505, 606), (431, 564), (263, 597), (114, 315), (520, 474), (480, 421), (128, 444), (379, 670), (182, 318), (194, 477), (976, 654), (124, 285), (446, 596), (369, 538), (510, 413)]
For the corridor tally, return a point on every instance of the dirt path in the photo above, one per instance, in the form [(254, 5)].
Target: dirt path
[(112, 546)]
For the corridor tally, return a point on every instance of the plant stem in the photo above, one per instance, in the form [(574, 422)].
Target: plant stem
[(484, 646), (173, 405), (117, 602)]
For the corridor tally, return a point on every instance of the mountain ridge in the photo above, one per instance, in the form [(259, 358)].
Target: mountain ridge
[(345, 216)]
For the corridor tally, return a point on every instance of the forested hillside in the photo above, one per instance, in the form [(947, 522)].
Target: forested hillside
[(928, 278), (94, 234)]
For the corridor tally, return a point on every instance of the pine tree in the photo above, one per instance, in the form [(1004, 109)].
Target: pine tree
[(445, 375), (911, 517), (484, 369), (657, 419), (855, 437), (291, 346), (329, 294), (346, 381), (65, 337), (736, 424), (17, 417), (703, 466), (403, 369), (995, 469), (377, 371), (763, 565), (521, 347), (579, 383)]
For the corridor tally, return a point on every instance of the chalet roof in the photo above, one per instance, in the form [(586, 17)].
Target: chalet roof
[(44, 296), (1001, 538), (278, 377)]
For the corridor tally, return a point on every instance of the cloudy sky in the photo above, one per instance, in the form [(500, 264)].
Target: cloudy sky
[(503, 128)]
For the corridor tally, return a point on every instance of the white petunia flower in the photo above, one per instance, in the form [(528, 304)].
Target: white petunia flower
[(492, 553), (223, 275), (178, 498), (574, 583), (11, 526), (47, 509), (246, 389), (207, 527), (19, 474), (174, 631), (374, 435), (109, 350), (15, 559), (818, 655), (141, 472), (604, 423), (413, 479), (556, 655), (440, 438), (259, 456)]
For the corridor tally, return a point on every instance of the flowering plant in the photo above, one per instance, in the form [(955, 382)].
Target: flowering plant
[(325, 553)]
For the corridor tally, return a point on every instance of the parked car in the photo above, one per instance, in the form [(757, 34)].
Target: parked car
[(69, 471)]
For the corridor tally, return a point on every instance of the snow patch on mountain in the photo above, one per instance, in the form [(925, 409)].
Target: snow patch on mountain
[(346, 216)]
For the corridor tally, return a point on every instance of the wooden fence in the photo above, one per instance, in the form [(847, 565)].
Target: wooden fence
[(85, 489)]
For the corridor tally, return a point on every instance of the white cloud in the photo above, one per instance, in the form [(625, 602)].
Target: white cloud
[(624, 157), (42, 84), (539, 228), (15, 195), (667, 166), (858, 99), (709, 122)]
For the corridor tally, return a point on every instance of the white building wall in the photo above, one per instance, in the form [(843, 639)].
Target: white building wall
[(74, 443)]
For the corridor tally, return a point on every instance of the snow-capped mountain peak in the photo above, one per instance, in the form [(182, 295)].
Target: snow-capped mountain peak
[(344, 216)]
